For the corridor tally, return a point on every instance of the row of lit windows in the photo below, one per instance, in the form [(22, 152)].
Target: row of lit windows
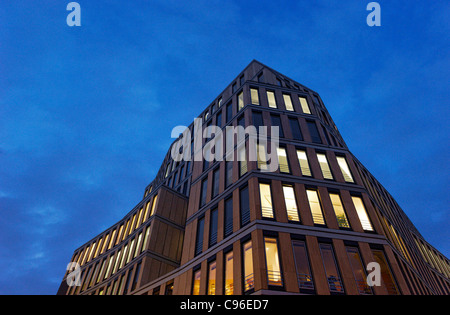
[(113, 263), (117, 235), (289, 195), (305, 277)]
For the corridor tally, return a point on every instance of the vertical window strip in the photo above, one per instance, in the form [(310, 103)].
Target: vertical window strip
[(248, 266), (229, 283), (273, 262), (241, 101)]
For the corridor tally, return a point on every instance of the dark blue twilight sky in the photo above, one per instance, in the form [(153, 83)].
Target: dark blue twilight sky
[(86, 112)]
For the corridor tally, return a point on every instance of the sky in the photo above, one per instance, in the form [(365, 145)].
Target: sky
[(86, 112)]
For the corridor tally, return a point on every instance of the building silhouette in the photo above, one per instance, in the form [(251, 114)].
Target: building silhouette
[(227, 226)]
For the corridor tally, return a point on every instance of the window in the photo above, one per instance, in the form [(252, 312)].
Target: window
[(271, 99), (331, 270), (203, 192), (169, 288), (314, 132), (196, 283), (339, 211), (155, 198), (199, 239), (295, 129), (362, 214), (228, 173), (291, 203), (266, 201), (240, 101), (257, 120), (272, 262), (282, 160), (229, 112), (244, 205), (212, 278), (304, 104), (276, 122), (248, 266), (386, 274), (316, 209), (303, 161), (216, 182), (234, 87), (255, 96), (147, 233), (219, 119), (261, 155), (136, 277), (288, 102), (326, 172), (213, 227), (228, 217), (358, 270), (344, 169), (242, 160), (302, 267), (229, 283)]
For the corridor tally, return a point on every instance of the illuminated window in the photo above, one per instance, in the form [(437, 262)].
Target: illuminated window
[(155, 198), (229, 283), (302, 266), (254, 96), (266, 201), (147, 207), (386, 274), (147, 233), (271, 99), (212, 278), (282, 160), (362, 214), (248, 266), (331, 270), (316, 209), (339, 211), (261, 154), (304, 104), (241, 101), (291, 203), (136, 277), (272, 262), (358, 270), (303, 161), (345, 169), (110, 264), (242, 160), (138, 245), (288, 102), (326, 172), (196, 283), (124, 254)]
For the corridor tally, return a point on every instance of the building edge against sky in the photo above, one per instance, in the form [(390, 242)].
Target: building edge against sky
[(228, 227)]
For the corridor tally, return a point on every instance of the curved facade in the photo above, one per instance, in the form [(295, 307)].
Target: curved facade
[(316, 225)]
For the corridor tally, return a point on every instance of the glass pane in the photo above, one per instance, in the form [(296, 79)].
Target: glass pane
[(266, 201), (305, 280), (324, 166), (291, 204), (282, 160), (196, 284), (344, 169), (304, 104), (271, 99), (229, 284), (362, 214), (272, 262), (288, 102), (255, 96), (212, 279), (240, 101), (329, 263), (304, 165), (339, 211), (358, 270), (248, 266), (316, 209), (385, 272)]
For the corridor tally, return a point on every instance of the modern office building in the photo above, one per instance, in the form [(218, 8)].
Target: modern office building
[(227, 226)]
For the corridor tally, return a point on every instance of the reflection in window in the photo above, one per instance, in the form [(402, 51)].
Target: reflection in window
[(358, 270), (339, 211), (331, 271), (304, 277), (266, 201), (316, 209), (272, 262)]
